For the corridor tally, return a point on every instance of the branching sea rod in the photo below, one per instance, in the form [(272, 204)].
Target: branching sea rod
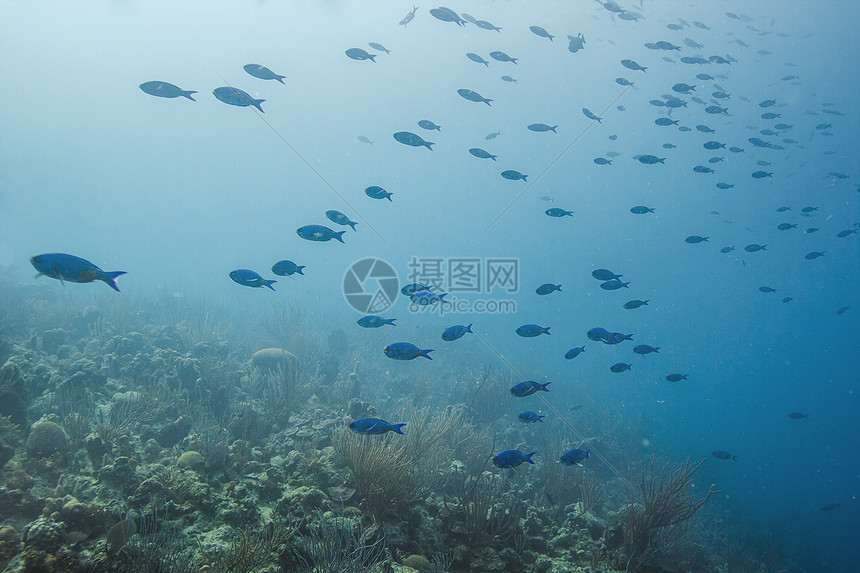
[(666, 509)]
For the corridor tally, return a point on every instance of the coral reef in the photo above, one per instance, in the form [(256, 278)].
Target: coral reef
[(149, 437)]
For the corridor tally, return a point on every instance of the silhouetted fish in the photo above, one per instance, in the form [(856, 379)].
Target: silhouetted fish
[(166, 90)]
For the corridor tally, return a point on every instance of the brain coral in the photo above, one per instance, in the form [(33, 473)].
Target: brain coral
[(46, 437)]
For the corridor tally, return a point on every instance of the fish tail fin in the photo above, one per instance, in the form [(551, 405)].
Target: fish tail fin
[(110, 279), (391, 321), (469, 327), (397, 428), (734, 458), (545, 387), (428, 145), (188, 94), (299, 269), (257, 105), (280, 78), (553, 129), (487, 101), (529, 458), (269, 283), (546, 330), (339, 234), (656, 349), (373, 58), (426, 353), (353, 224), (588, 453)]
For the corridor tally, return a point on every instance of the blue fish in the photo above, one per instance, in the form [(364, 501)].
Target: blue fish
[(412, 288), (477, 59), (555, 211), (598, 334), (511, 459), (359, 54), (376, 192), (454, 332), (620, 367), (532, 330), (614, 284), (262, 72), (574, 352), (617, 338), (406, 351), (286, 268), (249, 278), (425, 297), (513, 175), (644, 349), (473, 96), (340, 218), (605, 275), (481, 154), (374, 427), (164, 89), (528, 387), (547, 288), (319, 233), (447, 15), (429, 125), (237, 97), (574, 457), (73, 269), (541, 127), (373, 321), (591, 115), (724, 455), (529, 417), (577, 43), (413, 139)]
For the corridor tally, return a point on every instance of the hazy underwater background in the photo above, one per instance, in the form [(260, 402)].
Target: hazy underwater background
[(179, 192)]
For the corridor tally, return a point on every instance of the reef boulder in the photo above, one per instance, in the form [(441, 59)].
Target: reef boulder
[(269, 359), (46, 438)]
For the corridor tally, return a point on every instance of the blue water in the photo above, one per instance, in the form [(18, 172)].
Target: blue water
[(179, 193)]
